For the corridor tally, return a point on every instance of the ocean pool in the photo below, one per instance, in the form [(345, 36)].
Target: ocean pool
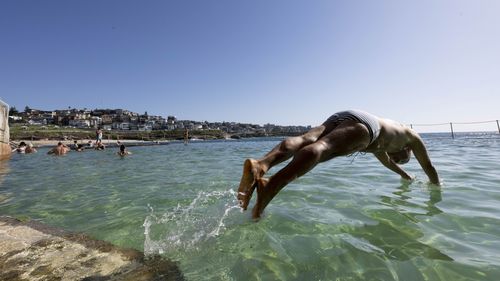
[(348, 219)]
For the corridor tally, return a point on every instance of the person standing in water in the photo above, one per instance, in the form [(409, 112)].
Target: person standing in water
[(342, 134), (186, 136)]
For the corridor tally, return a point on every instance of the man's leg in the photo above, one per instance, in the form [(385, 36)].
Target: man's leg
[(254, 169), (345, 139)]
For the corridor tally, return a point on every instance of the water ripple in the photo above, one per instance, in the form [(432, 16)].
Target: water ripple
[(348, 219)]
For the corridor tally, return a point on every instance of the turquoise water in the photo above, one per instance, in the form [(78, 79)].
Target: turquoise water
[(348, 219)]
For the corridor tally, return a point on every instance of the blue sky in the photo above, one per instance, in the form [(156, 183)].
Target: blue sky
[(282, 62)]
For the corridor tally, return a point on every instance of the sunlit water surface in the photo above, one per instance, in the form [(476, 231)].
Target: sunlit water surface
[(348, 219)]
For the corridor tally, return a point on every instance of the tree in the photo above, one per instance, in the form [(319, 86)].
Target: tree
[(13, 111), (27, 109)]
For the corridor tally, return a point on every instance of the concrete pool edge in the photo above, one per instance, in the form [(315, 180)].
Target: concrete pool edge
[(34, 251)]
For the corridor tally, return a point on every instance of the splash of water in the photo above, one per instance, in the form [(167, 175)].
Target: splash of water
[(186, 228)]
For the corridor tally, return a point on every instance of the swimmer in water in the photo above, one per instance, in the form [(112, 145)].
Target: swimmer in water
[(76, 146), (60, 149), (342, 134), (30, 148), (123, 151), (21, 148)]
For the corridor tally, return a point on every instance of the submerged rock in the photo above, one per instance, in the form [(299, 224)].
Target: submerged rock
[(33, 251)]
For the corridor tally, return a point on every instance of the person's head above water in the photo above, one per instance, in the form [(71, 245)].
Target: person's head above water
[(401, 157), (122, 148)]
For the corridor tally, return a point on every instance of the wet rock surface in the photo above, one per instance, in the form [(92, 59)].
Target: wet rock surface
[(33, 251)]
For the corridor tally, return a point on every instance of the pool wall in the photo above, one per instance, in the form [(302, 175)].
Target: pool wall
[(33, 251)]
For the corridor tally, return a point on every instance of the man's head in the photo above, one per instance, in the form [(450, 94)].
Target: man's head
[(401, 157)]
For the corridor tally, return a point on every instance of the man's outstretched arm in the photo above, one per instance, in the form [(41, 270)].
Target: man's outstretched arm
[(388, 163), (423, 159)]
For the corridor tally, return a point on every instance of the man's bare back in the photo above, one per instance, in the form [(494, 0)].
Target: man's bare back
[(60, 149)]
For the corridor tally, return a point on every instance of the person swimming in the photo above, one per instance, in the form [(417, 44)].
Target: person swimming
[(123, 151), (21, 148), (60, 149), (343, 133), (30, 149), (76, 147)]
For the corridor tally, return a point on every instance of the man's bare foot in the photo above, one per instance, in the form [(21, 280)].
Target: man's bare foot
[(248, 182), (262, 198)]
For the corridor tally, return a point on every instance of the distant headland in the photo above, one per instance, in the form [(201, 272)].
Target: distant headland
[(73, 123)]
